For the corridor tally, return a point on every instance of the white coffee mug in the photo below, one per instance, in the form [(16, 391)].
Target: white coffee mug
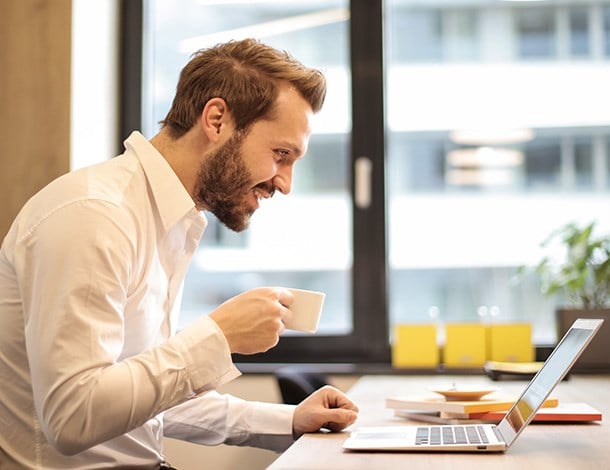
[(306, 310)]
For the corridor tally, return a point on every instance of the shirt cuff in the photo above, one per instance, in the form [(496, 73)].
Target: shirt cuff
[(270, 426), (271, 418), (206, 353)]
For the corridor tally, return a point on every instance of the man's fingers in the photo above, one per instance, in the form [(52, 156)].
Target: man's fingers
[(339, 419), (285, 297), (286, 316), (336, 399)]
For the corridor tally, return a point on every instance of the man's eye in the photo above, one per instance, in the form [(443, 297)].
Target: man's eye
[(282, 154)]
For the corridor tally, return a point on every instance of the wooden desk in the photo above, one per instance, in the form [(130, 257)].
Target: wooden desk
[(540, 446)]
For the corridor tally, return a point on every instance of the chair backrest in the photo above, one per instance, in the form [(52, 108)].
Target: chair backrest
[(296, 384)]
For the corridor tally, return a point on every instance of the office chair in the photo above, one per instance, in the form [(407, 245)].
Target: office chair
[(296, 383)]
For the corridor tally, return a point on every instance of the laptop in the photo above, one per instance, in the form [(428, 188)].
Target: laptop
[(483, 437)]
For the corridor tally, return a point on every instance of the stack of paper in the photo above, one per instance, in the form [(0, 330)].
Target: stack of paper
[(484, 410)]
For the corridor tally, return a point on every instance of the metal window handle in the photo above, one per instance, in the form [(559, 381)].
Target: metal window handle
[(363, 170)]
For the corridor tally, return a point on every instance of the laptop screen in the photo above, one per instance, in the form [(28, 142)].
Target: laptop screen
[(554, 369)]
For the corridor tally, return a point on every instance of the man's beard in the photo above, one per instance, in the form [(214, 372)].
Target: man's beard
[(222, 184)]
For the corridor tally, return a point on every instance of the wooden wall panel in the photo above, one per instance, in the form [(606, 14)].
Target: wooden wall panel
[(35, 51)]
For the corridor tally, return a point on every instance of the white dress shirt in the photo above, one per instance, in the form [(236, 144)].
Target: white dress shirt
[(92, 373)]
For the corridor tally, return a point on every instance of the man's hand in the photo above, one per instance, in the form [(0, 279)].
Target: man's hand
[(253, 321), (325, 408)]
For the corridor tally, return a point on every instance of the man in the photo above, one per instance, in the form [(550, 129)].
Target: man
[(93, 374)]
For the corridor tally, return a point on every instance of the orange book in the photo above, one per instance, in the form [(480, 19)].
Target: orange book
[(561, 412), (482, 405)]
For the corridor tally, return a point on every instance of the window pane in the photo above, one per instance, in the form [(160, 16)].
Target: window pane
[(543, 164), (579, 31), (460, 35), (419, 163), (424, 24), (288, 242), (583, 163), (485, 158), (536, 32), (606, 19)]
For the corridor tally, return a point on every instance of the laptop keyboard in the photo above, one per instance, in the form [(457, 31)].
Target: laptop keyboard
[(439, 435)]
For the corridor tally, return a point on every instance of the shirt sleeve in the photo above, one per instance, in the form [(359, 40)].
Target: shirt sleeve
[(215, 418), (73, 271)]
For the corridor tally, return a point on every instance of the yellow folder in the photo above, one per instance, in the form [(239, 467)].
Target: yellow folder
[(465, 345), (415, 345), (510, 342)]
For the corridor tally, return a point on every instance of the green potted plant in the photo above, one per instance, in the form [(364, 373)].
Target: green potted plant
[(583, 275)]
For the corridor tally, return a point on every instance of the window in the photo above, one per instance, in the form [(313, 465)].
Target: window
[(425, 24), (543, 164), (486, 125), (583, 163), (536, 32), (303, 256), (480, 170), (307, 254), (606, 22), (579, 31)]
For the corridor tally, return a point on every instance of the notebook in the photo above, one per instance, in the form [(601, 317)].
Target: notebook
[(483, 437)]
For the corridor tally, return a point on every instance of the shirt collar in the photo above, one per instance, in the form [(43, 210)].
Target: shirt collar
[(171, 197)]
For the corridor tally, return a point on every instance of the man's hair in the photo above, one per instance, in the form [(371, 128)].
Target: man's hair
[(246, 74)]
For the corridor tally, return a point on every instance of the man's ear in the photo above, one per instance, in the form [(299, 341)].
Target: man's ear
[(214, 116)]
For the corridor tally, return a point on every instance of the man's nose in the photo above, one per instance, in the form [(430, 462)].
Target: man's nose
[(283, 179)]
